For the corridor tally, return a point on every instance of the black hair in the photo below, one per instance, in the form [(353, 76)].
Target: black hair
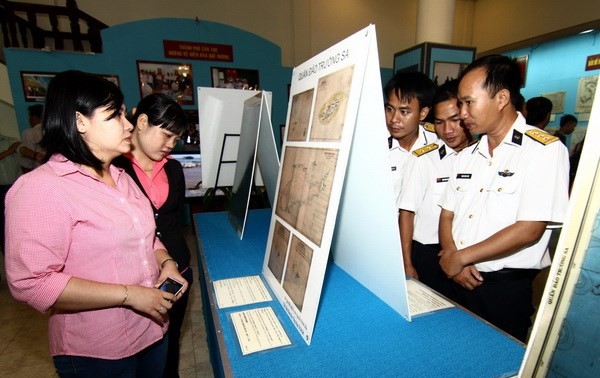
[(446, 91), (70, 92), (567, 118), (501, 72), (520, 103), (35, 110), (410, 85), (162, 111), (538, 109)]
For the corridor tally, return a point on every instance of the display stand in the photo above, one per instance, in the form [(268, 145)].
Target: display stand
[(356, 333), (440, 62), (564, 338), (221, 161)]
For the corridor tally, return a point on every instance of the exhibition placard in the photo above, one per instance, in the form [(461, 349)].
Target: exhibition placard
[(328, 94)]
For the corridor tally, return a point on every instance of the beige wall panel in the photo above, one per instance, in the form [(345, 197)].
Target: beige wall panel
[(499, 23)]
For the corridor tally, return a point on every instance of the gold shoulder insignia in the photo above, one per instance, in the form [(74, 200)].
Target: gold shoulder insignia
[(429, 127), (541, 136), (423, 150)]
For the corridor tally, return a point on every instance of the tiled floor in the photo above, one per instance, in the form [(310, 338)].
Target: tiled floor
[(24, 341)]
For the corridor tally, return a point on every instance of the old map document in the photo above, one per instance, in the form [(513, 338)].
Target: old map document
[(300, 116), (331, 103), (305, 188)]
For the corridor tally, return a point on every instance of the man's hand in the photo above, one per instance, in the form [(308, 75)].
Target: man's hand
[(450, 261), (469, 278), (411, 272)]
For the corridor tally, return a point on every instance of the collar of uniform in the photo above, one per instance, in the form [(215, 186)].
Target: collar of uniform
[(425, 137), (393, 143), (515, 135), (428, 136), (445, 150)]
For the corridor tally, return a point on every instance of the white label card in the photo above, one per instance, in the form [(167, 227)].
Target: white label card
[(258, 329), (240, 291), (422, 299)]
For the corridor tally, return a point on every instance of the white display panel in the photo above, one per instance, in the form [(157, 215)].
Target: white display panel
[(334, 96), (220, 112)]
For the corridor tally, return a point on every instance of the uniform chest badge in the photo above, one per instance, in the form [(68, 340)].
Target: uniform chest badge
[(505, 173), (463, 175)]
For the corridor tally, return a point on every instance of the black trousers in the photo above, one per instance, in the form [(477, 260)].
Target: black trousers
[(504, 299), (427, 263), (176, 315)]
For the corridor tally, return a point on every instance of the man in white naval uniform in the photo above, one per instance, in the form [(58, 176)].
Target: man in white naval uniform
[(408, 97), (425, 177), (503, 194)]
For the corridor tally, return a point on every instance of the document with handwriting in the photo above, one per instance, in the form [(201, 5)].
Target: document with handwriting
[(240, 291), (259, 329)]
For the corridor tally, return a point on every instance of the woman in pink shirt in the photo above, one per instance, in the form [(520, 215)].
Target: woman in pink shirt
[(81, 239), (159, 122)]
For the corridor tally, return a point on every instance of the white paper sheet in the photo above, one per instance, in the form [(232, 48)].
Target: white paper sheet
[(258, 329), (240, 291), (422, 299)]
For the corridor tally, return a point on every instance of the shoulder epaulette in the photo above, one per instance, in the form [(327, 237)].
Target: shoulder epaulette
[(429, 127), (541, 136), (423, 150)]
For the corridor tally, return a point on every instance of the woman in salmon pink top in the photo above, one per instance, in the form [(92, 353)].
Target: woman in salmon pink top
[(158, 123), (81, 240)]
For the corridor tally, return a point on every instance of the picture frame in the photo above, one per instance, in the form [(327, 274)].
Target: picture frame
[(172, 79), (446, 71), (112, 78), (35, 85), (281, 134), (522, 62), (235, 78)]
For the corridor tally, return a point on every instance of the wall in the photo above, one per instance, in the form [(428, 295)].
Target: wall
[(123, 46), (500, 23), (557, 66), (302, 28), (8, 119)]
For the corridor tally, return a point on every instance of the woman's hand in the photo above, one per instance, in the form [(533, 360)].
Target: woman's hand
[(150, 301), (169, 269)]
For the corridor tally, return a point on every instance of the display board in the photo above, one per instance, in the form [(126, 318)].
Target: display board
[(220, 112), (331, 95), (564, 339), (257, 142)]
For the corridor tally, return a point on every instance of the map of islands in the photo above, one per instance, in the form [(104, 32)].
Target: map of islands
[(305, 188)]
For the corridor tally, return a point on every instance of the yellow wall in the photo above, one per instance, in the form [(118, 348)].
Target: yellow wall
[(303, 28)]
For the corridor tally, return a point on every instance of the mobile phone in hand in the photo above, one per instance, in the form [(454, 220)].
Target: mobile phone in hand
[(171, 286)]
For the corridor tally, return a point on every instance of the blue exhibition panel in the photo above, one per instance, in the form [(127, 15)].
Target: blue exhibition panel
[(356, 334)]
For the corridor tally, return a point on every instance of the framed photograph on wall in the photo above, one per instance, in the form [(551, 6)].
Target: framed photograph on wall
[(235, 78), (446, 71), (35, 85), (522, 62), (112, 78), (172, 79)]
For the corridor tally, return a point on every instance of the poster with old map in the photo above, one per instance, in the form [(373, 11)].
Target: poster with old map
[(323, 178), (297, 271), (331, 103), (305, 188), (279, 246), (300, 115)]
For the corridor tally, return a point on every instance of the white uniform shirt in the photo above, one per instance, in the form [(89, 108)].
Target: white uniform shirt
[(424, 181), (399, 156), (31, 139), (524, 181)]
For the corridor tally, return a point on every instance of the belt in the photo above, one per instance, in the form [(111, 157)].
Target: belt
[(509, 274)]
